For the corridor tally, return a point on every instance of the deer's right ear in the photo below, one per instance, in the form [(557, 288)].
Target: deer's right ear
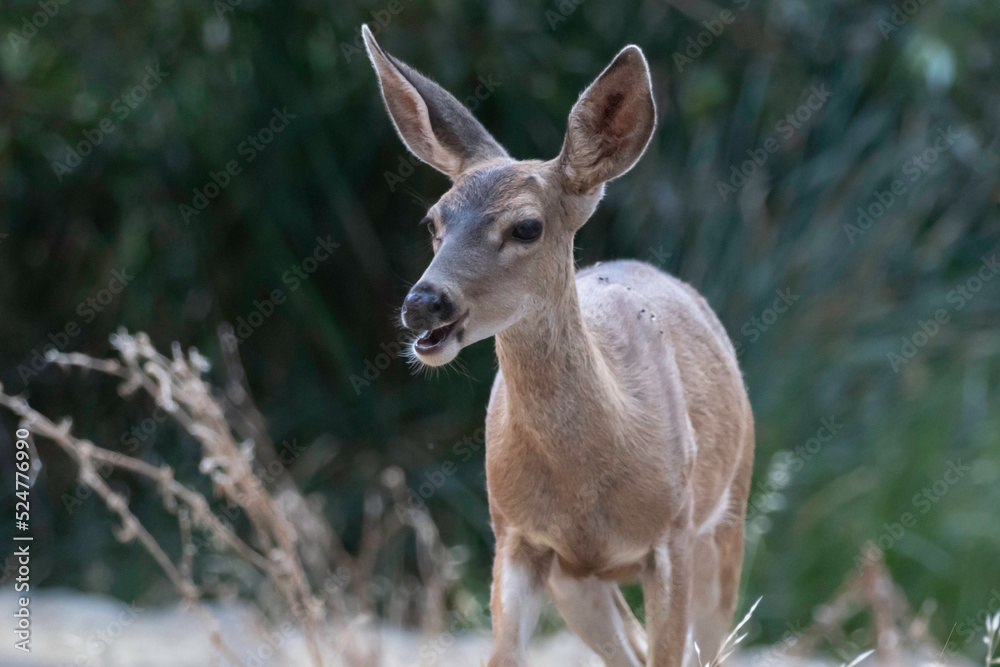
[(434, 125)]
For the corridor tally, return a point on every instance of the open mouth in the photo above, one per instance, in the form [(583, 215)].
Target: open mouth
[(435, 339)]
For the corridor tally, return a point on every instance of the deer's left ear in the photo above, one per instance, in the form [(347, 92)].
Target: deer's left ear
[(610, 125), (434, 125)]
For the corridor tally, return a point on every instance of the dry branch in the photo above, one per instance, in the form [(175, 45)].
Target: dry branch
[(232, 432), (176, 385)]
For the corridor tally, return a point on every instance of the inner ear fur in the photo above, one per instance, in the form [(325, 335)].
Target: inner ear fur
[(611, 124)]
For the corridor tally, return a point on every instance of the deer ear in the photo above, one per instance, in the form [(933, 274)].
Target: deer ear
[(434, 125), (610, 125)]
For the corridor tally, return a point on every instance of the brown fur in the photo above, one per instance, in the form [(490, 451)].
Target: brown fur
[(619, 434)]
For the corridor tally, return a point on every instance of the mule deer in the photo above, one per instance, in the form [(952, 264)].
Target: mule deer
[(619, 436)]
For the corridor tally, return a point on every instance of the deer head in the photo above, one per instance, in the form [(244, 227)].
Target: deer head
[(503, 233)]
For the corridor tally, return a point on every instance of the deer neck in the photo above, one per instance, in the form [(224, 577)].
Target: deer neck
[(554, 373)]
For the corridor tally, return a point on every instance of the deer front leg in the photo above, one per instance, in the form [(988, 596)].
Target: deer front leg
[(666, 586), (518, 585)]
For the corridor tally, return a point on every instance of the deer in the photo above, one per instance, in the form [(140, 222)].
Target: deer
[(619, 434)]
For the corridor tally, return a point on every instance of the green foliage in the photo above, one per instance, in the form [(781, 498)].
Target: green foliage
[(338, 171)]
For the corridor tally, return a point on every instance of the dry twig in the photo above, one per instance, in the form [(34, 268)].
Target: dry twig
[(177, 386), (232, 432)]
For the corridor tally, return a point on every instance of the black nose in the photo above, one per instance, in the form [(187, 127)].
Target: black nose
[(427, 307)]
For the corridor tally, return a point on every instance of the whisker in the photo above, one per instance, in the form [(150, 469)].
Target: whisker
[(462, 368)]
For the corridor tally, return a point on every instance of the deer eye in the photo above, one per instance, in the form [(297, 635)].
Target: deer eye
[(429, 222), (527, 230)]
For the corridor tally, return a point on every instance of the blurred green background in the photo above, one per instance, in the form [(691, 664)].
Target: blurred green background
[(836, 99)]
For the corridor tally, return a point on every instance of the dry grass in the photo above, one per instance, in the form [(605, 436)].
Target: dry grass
[(232, 435), (730, 643), (992, 640)]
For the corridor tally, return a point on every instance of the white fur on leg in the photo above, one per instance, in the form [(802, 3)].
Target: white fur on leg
[(521, 601), (588, 606)]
